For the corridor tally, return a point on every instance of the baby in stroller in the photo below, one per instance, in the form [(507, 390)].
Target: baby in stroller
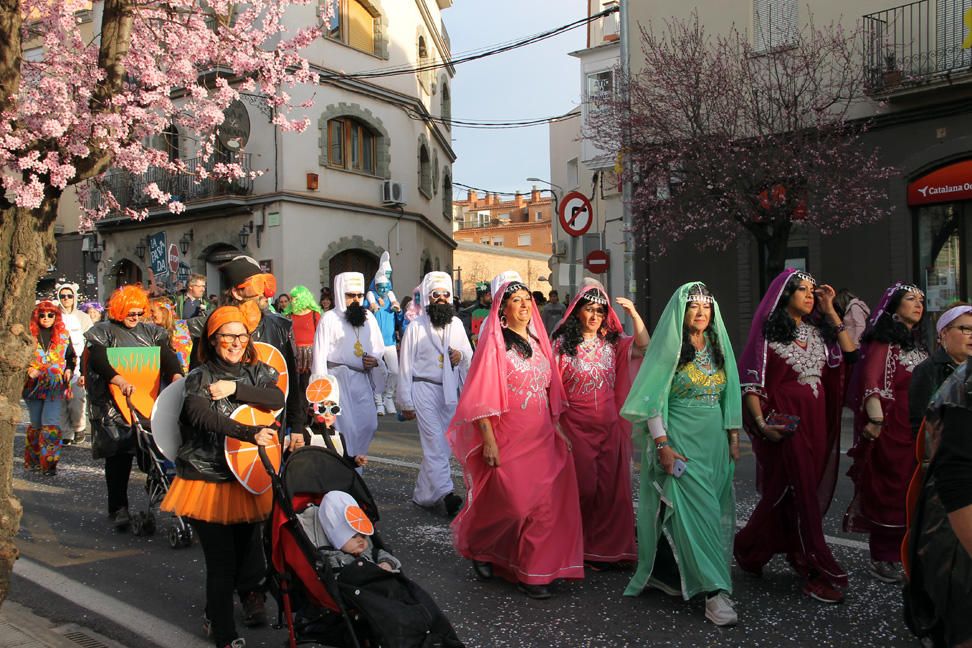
[(346, 526)]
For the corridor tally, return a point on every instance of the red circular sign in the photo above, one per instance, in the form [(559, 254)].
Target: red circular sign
[(598, 261), (576, 213), (174, 258)]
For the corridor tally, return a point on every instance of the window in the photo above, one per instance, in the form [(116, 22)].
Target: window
[(539, 216), (350, 145), (524, 240), (446, 195), (600, 87), (774, 24), (498, 241), (425, 171), (484, 241), (573, 179), (446, 106), (424, 75), (353, 23), (170, 142), (482, 218)]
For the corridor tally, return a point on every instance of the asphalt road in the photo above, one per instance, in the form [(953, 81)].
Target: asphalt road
[(141, 593)]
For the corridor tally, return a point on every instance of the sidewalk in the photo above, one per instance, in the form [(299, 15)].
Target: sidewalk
[(21, 628)]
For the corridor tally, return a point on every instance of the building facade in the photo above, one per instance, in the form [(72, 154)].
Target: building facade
[(918, 96), (373, 172)]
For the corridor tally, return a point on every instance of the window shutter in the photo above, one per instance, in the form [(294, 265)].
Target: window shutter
[(775, 23), (362, 27)]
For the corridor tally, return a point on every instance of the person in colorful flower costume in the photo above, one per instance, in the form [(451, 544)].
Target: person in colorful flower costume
[(164, 315), (597, 363), (686, 398), (47, 386), (884, 448)]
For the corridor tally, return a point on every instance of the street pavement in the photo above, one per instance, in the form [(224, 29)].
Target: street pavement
[(140, 593)]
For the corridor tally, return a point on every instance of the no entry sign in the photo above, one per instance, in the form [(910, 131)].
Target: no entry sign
[(576, 214), (598, 261)]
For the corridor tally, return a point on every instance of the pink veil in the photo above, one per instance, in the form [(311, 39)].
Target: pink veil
[(484, 392)]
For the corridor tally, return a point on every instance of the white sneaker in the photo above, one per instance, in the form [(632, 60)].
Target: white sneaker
[(390, 406), (381, 409), (718, 610)]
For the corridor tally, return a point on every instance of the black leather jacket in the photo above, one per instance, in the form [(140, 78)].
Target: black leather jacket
[(204, 423)]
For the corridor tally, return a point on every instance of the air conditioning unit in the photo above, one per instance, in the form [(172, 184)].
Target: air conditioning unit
[(560, 248), (393, 193)]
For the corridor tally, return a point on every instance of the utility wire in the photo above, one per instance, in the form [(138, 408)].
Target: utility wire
[(499, 193), (471, 56), (490, 124)]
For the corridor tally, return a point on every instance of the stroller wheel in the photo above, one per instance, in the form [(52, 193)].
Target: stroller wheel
[(175, 538), (187, 537)]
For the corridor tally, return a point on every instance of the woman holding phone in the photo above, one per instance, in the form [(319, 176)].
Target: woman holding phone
[(686, 397), (792, 389)]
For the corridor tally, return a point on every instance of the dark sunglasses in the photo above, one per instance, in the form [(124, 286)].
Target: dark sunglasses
[(47, 315), (65, 296), (354, 295), (135, 313), (333, 410)]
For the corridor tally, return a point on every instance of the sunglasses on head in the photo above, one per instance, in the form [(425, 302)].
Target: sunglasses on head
[(46, 315)]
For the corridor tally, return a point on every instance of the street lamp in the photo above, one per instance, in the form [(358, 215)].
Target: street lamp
[(95, 252), (573, 239), (244, 236), (140, 249), (185, 241)]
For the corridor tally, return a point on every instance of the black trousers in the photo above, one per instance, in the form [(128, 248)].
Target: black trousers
[(226, 548), (117, 471)]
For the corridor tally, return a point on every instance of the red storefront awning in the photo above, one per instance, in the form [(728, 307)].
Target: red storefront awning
[(946, 184)]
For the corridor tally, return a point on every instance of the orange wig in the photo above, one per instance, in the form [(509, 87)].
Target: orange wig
[(125, 299)]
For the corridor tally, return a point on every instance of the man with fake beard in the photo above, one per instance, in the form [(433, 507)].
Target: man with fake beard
[(435, 359), (348, 345)]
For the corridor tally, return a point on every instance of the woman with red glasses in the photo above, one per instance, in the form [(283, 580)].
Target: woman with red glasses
[(112, 437), (48, 384)]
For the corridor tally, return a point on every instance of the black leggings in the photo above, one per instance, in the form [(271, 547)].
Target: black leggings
[(226, 548), (117, 471)]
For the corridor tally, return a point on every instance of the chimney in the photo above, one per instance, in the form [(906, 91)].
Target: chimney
[(471, 196), (520, 202), (535, 194)]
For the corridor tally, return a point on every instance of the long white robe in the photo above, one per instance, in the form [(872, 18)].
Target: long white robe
[(431, 391), (334, 353)]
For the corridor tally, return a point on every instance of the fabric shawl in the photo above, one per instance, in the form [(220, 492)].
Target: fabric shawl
[(752, 364), (592, 285), (484, 393), (649, 394)]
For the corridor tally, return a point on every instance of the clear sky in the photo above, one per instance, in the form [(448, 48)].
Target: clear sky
[(534, 81)]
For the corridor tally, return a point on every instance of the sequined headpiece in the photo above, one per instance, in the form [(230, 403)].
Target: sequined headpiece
[(805, 276), (595, 297), (513, 287), (699, 294)]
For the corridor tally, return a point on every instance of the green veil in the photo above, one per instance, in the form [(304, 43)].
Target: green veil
[(649, 393)]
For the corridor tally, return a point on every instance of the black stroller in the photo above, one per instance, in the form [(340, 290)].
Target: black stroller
[(360, 605), (159, 473)]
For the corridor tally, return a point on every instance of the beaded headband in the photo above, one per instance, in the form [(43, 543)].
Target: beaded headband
[(805, 276), (595, 297), (513, 287), (697, 295)]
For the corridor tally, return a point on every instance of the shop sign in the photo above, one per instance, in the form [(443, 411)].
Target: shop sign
[(947, 184)]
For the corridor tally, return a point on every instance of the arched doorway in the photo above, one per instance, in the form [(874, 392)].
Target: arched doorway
[(427, 267), (124, 273), (354, 260)]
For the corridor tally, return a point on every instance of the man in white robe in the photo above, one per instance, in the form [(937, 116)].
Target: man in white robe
[(434, 361), (348, 345), (74, 414)]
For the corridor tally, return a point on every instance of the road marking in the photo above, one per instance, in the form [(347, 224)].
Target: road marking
[(37, 487), (154, 629), (841, 542)]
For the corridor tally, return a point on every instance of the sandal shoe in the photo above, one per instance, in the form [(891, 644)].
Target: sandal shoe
[(483, 570)]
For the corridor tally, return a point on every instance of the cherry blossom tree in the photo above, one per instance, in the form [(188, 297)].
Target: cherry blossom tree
[(720, 139), (73, 107)]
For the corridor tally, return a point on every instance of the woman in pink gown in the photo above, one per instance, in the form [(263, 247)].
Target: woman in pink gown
[(522, 518), (597, 363)]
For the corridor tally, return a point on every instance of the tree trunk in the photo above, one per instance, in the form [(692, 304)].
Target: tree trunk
[(775, 247), (26, 250)]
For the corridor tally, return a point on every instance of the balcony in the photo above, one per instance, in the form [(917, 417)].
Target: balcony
[(129, 189), (917, 46)]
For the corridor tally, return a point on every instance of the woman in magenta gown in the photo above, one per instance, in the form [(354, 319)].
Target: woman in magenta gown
[(597, 364), (791, 380), (522, 519), (884, 445)]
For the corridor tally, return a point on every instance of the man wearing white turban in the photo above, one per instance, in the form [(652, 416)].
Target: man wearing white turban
[(435, 358), (348, 345)]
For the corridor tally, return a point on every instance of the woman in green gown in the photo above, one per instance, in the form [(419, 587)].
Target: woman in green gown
[(687, 407)]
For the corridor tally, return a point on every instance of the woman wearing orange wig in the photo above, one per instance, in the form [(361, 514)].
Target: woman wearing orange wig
[(48, 384), (224, 515), (112, 437)]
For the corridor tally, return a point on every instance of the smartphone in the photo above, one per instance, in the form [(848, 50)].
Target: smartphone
[(678, 469), (788, 421)]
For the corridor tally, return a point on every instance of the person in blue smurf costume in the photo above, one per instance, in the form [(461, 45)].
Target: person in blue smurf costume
[(384, 304)]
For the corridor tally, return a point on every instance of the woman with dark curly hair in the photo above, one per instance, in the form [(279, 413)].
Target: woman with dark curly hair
[(521, 517), (884, 452), (594, 359), (791, 380), (687, 396)]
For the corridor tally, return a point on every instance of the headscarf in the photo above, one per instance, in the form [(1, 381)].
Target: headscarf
[(344, 283), (125, 299), (301, 300), (484, 392), (951, 315), (435, 281), (450, 375), (73, 287), (882, 307), (225, 315), (594, 291), (649, 394), (752, 363), (502, 280)]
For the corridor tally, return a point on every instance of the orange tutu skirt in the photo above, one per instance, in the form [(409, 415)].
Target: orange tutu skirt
[(219, 502)]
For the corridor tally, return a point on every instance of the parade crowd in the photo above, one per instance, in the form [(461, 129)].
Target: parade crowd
[(545, 408)]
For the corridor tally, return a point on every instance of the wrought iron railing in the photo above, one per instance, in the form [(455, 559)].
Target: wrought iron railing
[(916, 42), (129, 189)]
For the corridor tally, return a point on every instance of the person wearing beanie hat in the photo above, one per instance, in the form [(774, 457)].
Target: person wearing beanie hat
[(348, 531), (74, 414), (349, 346), (435, 359), (473, 315)]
